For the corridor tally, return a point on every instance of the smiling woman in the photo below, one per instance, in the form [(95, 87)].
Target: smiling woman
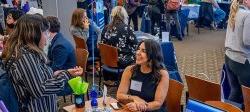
[(144, 85)]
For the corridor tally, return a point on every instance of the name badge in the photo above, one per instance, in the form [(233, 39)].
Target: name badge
[(136, 85)]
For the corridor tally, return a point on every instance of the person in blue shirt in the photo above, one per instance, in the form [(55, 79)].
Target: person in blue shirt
[(61, 52)]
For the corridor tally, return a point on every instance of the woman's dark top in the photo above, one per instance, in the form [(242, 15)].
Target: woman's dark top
[(148, 87), (122, 37)]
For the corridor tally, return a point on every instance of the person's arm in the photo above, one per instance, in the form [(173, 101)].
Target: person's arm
[(215, 4), (37, 78), (59, 57), (161, 92), (132, 39), (76, 32), (122, 91), (246, 33)]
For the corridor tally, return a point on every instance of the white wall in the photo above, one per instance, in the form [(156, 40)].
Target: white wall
[(63, 9)]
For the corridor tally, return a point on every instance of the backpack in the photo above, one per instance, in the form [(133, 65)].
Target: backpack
[(172, 5), (8, 94)]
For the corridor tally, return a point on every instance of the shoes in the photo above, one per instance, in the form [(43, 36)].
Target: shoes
[(214, 26)]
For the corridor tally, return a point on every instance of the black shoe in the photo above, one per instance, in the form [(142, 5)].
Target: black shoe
[(179, 38)]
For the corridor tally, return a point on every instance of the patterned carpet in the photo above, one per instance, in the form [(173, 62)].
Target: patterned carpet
[(197, 54)]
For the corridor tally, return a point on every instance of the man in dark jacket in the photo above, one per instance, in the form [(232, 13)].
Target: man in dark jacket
[(60, 52)]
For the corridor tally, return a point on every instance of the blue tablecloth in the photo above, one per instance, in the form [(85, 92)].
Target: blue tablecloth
[(193, 10)]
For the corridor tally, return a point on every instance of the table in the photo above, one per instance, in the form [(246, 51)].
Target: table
[(72, 108), (193, 10)]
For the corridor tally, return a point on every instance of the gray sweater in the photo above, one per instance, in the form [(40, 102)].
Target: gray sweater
[(237, 42)]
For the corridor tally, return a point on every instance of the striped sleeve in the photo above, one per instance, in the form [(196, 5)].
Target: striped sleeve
[(38, 81)]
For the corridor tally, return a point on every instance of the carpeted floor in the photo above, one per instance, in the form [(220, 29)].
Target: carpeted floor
[(197, 54)]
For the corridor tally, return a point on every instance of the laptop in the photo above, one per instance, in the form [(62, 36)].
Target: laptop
[(197, 106)]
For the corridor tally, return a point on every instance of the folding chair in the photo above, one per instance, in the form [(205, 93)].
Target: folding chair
[(246, 98), (173, 99), (109, 61), (203, 90), (224, 106)]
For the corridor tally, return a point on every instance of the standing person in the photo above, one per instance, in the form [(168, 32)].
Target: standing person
[(145, 84), (172, 17), (218, 13), (132, 9), (237, 45), (156, 9), (34, 82)]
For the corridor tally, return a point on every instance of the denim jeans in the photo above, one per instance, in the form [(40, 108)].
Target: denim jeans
[(219, 15)]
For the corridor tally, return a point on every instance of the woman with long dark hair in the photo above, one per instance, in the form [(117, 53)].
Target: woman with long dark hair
[(145, 84)]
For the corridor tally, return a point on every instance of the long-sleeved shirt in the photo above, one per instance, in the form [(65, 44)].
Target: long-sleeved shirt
[(122, 37), (61, 53), (84, 33), (237, 42), (34, 82)]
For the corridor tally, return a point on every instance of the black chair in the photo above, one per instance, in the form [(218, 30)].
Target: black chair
[(206, 16)]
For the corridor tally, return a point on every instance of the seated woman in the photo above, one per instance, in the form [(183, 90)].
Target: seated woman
[(119, 34), (144, 86), (34, 81), (80, 24)]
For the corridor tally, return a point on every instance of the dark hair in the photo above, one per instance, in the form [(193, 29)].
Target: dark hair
[(15, 13), (28, 33), (54, 24), (155, 56)]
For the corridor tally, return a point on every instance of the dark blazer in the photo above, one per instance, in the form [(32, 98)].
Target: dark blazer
[(61, 53)]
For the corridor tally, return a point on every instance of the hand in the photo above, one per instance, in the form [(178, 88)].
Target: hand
[(86, 23), (131, 106), (77, 71), (56, 73), (141, 106)]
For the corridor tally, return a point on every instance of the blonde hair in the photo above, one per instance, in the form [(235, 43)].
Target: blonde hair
[(233, 10), (76, 19), (119, 13)]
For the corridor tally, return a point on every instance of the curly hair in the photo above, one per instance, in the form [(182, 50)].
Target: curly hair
[(233, 10)]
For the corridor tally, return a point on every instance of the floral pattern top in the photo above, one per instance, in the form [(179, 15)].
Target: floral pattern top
[(123, 38)]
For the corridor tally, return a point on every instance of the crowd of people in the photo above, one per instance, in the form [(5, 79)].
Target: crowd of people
[(40, 60)]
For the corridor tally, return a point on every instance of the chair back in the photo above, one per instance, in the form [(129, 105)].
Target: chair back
[(80, 43), (173, 99), (170, 60), (224, 106), (246, 97), (203, 90), (82, 58), (109, 55)]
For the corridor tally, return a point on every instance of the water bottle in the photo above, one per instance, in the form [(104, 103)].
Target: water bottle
[(79, 101), (94, 101)]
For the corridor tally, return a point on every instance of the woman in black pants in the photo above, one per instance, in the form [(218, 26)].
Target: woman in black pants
[(237, 46)]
